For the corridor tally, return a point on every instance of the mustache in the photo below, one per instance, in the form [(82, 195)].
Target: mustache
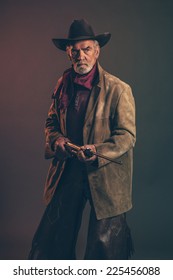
[(81, 63)]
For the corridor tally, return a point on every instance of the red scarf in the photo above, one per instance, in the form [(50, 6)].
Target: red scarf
[(86, 80), (69, 78)]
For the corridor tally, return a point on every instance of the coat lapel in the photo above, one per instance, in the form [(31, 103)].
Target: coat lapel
[(92, 103), (96, 91)]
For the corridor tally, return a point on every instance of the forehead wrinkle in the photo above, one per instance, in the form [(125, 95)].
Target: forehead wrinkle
[(76, 49), (83, 44)]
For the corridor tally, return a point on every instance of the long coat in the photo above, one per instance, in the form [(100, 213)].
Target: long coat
[(110, 125)]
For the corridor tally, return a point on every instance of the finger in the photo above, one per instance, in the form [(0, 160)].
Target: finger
[(91, 159), (81, 156)]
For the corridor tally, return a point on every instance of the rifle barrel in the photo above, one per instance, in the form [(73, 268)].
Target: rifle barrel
[(78, 148)]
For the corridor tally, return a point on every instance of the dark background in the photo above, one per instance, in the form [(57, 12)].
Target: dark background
[(140, 53)]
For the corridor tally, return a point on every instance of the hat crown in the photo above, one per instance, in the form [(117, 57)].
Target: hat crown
[(80, 28)]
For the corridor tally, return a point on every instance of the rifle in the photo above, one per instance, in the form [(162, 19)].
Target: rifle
[(88, 153)]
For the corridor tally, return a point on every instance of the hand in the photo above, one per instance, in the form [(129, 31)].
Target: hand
[(60, 151), (83, 158)]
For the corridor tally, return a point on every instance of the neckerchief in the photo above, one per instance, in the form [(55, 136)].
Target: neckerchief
[(70, 77)]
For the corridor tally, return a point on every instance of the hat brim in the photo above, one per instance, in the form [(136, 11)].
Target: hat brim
[(63, 43)]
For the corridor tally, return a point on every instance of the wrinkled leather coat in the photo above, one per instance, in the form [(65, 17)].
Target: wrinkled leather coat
[(110, 125)]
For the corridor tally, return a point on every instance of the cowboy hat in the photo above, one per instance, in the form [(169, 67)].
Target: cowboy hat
[(81, 30)]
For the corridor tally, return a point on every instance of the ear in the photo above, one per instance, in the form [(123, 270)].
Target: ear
[(68, 52)]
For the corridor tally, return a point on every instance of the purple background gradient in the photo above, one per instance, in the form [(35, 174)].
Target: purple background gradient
[(140, 53)]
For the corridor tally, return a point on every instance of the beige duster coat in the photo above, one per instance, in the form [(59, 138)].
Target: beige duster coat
[(110, 125)]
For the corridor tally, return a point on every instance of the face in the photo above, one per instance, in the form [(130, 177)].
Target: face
[(83, 55)]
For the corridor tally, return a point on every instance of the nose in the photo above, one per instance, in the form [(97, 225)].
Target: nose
[(80, 55)]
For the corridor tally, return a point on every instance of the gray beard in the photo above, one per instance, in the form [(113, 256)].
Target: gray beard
[(80, 70)]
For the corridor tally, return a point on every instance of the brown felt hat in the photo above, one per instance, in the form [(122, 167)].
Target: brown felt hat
[(81, 30)]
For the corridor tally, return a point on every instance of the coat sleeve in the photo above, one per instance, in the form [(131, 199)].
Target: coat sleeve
[(122, 128), (52, 125)]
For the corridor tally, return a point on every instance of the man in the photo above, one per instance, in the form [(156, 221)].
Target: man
[(95, 111)]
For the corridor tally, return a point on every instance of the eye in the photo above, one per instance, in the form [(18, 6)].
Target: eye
[(86, 50), (74, 52)]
